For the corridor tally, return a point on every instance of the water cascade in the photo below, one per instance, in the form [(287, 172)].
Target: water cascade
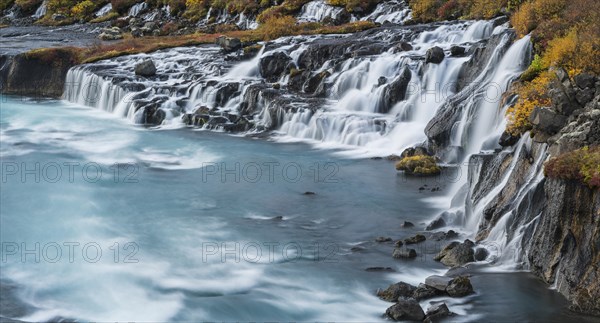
[(104, 10), (41, 10)]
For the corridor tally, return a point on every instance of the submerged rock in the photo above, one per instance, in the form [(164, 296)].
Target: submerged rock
[(436, 224), (415, 239), (404, 253), (425, 292), (406, 309)]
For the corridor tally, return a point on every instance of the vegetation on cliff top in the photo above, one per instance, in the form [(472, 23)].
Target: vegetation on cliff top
[(581, 165)]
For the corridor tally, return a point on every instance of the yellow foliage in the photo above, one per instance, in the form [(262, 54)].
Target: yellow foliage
[(83, 9), (574, 52), (531, 94), (419, 165), (276, 27)]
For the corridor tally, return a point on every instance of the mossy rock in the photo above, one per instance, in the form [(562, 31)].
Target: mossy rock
[(419, 165)]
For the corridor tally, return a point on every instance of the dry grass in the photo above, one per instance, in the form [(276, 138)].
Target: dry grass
[(130, 45)]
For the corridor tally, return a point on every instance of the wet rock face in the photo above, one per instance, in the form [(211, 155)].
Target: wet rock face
[(33, 75), (272, 66), (565, 248), (395, 91)]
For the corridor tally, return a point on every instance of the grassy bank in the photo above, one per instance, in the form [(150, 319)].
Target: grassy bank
[(130, 45)]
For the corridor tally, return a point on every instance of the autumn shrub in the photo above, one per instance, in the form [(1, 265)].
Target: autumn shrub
[(351, 5), (530, 95), (278, 26), (84, 9), (419, 165), (582, 165), (28, 6), (61, 6)]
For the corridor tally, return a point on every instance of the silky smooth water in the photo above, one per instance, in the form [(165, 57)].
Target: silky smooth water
[(168, 209)]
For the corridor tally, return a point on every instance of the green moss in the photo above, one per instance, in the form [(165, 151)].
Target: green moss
[(419, 165)]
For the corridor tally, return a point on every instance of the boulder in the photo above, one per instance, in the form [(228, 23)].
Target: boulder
[(457, 51), (145, 68), (437, 312), (414, 151), (404, 253), (547, 120), (456, 254), (507, 139), (407, 309), (585, 80), (425, 292), (113, 33), (229, 44), (415, 239), (436, 224), (272, 66), (394, 291), (481, 254), (407, 224), (382, 80), (459, 287), (58, 17), (438, 282), (403, 47), (383, 239), (434, 55)]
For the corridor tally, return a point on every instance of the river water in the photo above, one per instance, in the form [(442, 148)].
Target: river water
[(108, 221)]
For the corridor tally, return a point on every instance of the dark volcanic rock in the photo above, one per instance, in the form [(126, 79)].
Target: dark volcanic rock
[(396, 290), (404, 253), (546, 120), (436, 224), (456, 254), (459, 287), (438, 282), (407, 224), (395, 91), (481, 254), (406, 309), (415, 239), (437, 312), (457, 51), (425, 292), (434, 55), (274, 65), (229, 44), (145, 68)]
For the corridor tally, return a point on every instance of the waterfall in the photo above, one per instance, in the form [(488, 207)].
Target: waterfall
[(393, 11), (318, 10), (104, 10), (136, 9), (41, 10)]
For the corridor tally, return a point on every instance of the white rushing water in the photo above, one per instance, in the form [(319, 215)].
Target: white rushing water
[(393, 11), (104, 10), (41, 10), (137, 9), (318, 10)]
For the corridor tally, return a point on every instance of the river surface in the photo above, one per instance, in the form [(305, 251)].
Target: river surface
[(189, 229)]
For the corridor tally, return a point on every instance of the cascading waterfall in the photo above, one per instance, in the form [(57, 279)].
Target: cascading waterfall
[(355, 111), (318, 10), (393, 11), (104, 10), (41, 10), (136, 9)]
